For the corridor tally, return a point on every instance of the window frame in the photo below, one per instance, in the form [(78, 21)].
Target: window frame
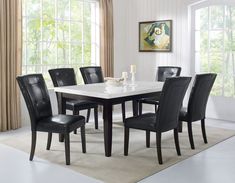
[(41, 67)]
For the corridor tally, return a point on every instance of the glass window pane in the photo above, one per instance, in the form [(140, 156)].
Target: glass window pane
[(33, 53), (48, 30), (48, 9), (204, 66), (232, 9), (49, 53), (216, 40), (217, 87), (33, 8), (63, 31), (87, 32), (201, 40), (87, 54), (63, 9), (76, 10), (54, 32), (216, 62), (217, 17), (34, 30), (76, 54), (63, 53), (201, 19), (76, 32), (229, 83)]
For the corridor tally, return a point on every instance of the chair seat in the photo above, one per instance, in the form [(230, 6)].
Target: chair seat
[(143, 122), (149, 101), (80, 104), (183, 116), (61, 123)]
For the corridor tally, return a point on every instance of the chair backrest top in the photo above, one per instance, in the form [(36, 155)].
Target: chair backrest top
[(199, 95), (63, 77), (170, 102), (36, 97), (92, 74), (164, 72)]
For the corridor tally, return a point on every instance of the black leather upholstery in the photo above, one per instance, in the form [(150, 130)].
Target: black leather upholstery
[(197, 101), (167, 114), (163, 72), (63, 77), (36, 96), (167, 72), (67, 77), (92, 74)]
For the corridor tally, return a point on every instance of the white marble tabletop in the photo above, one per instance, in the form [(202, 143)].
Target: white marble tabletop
[(101, 90)]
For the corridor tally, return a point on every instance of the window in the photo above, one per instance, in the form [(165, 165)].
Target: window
[(215, 46), (60, 33)]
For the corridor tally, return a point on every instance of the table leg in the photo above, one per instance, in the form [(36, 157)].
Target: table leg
[(135, 107), (61, 110), (108, 123)]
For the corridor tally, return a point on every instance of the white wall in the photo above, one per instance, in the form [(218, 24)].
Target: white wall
[(127, 15)]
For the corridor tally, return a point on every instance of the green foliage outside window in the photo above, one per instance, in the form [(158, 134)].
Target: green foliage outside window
[(58, 33), (215, 46)]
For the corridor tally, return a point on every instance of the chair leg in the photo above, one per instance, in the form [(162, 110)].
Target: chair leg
[(126, 141), (203, 130), (159, 150), (67, 148), (49, 140), (177, 145), (96, 117), (190, 135), (88, 115), (123, 112), (33, 144), (83, 137), (140, 108), (156, 108), (147, 138), (75, 112), (180, 127)]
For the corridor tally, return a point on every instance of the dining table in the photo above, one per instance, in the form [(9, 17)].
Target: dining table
[(107, 96)]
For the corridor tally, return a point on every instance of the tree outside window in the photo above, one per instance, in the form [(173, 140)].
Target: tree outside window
[(60, 33)]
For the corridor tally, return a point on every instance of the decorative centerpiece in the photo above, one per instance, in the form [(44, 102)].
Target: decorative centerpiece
[(109, 81), (133, 71), (124, 76)]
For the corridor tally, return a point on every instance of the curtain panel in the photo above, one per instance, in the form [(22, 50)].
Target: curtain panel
[(106, 37), (10, 63)]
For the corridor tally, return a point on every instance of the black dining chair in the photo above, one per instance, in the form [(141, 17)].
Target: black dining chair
[(163, 72), (36, 97), (166, 117), (66, 77), (94, 74), (197, 104)]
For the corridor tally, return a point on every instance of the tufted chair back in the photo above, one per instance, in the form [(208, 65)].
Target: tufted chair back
[(63, 77), (92, 74), (199, 96), (167, 71), (170, 102), (36, 97)]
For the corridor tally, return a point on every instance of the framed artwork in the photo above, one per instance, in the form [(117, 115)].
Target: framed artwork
[(155, 36)]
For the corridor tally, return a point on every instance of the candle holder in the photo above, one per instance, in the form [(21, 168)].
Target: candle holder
[(132, 78), (124, 76)]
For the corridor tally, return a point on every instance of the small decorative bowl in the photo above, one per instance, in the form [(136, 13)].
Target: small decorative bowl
[(114, 81)]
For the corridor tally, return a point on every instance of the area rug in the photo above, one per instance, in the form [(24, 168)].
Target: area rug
[(141, 162)]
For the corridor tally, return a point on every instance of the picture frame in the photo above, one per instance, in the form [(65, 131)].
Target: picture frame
[(155, 36)]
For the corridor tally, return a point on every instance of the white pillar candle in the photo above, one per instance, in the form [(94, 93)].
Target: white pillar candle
[(124, 75), (133, 69)]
